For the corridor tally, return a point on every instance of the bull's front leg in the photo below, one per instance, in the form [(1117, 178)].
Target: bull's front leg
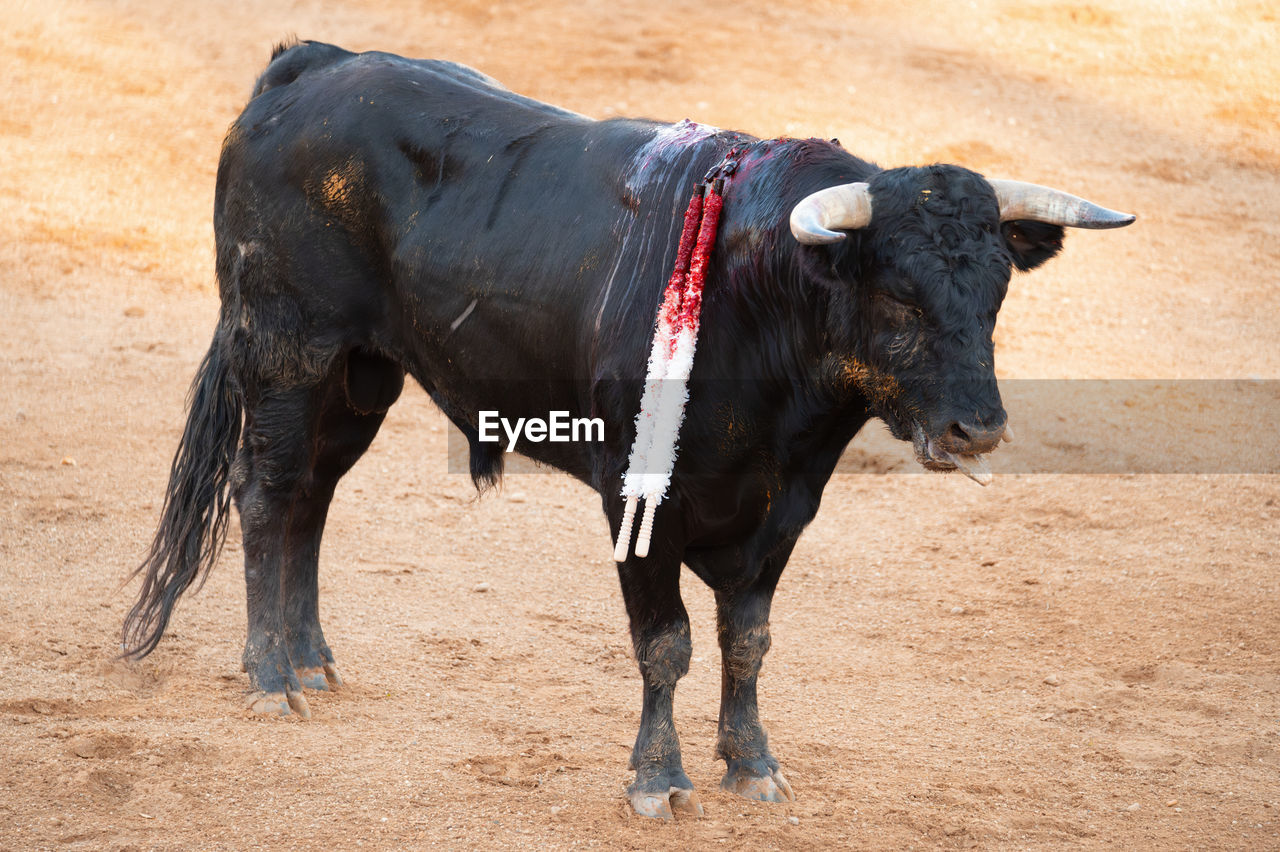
[(660, 635), (742, 618)]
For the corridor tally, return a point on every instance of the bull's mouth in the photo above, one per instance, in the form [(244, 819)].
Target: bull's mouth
[(932, 456)]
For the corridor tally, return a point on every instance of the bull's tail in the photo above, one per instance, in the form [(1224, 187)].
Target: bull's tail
[(197, 504)]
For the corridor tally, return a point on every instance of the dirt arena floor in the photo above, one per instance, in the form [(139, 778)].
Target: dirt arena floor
[(1056, 661)]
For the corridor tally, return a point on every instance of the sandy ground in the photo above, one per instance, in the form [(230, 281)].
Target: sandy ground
[(1055, 661)]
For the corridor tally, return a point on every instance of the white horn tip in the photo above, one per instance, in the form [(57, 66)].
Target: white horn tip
[(1022, 200), (822, 217), (812, 234), (1101, 218)]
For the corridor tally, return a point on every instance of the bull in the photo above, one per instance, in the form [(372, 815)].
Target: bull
[(377, 216)]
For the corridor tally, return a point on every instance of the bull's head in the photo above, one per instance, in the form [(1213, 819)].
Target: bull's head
[(933, 254)]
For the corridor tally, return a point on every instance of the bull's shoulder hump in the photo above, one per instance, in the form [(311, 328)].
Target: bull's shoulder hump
[(292, 60)]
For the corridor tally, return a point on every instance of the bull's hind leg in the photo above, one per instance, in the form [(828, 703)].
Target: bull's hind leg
[(660, 635), (298, 444), (353, 408), (272, 470), (309, 653)]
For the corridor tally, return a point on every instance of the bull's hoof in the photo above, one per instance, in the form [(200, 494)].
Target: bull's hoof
[(279, 704), (312, 678), (319, 677), (760, 788), (666, 805)]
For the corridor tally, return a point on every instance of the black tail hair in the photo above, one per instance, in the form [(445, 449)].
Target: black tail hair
[(197, 504)]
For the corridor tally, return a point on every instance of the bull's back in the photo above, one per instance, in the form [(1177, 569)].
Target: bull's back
[(419, 208), (320, 100)]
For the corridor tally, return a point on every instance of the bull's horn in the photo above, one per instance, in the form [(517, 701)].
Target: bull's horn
[(820, 217), (1020, 200)]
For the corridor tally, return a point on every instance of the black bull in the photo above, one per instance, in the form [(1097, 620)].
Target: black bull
[(376, 216)]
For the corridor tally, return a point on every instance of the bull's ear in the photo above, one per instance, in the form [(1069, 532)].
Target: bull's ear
[(1031, 243)]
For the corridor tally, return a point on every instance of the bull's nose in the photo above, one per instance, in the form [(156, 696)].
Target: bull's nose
[(969, 438)]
